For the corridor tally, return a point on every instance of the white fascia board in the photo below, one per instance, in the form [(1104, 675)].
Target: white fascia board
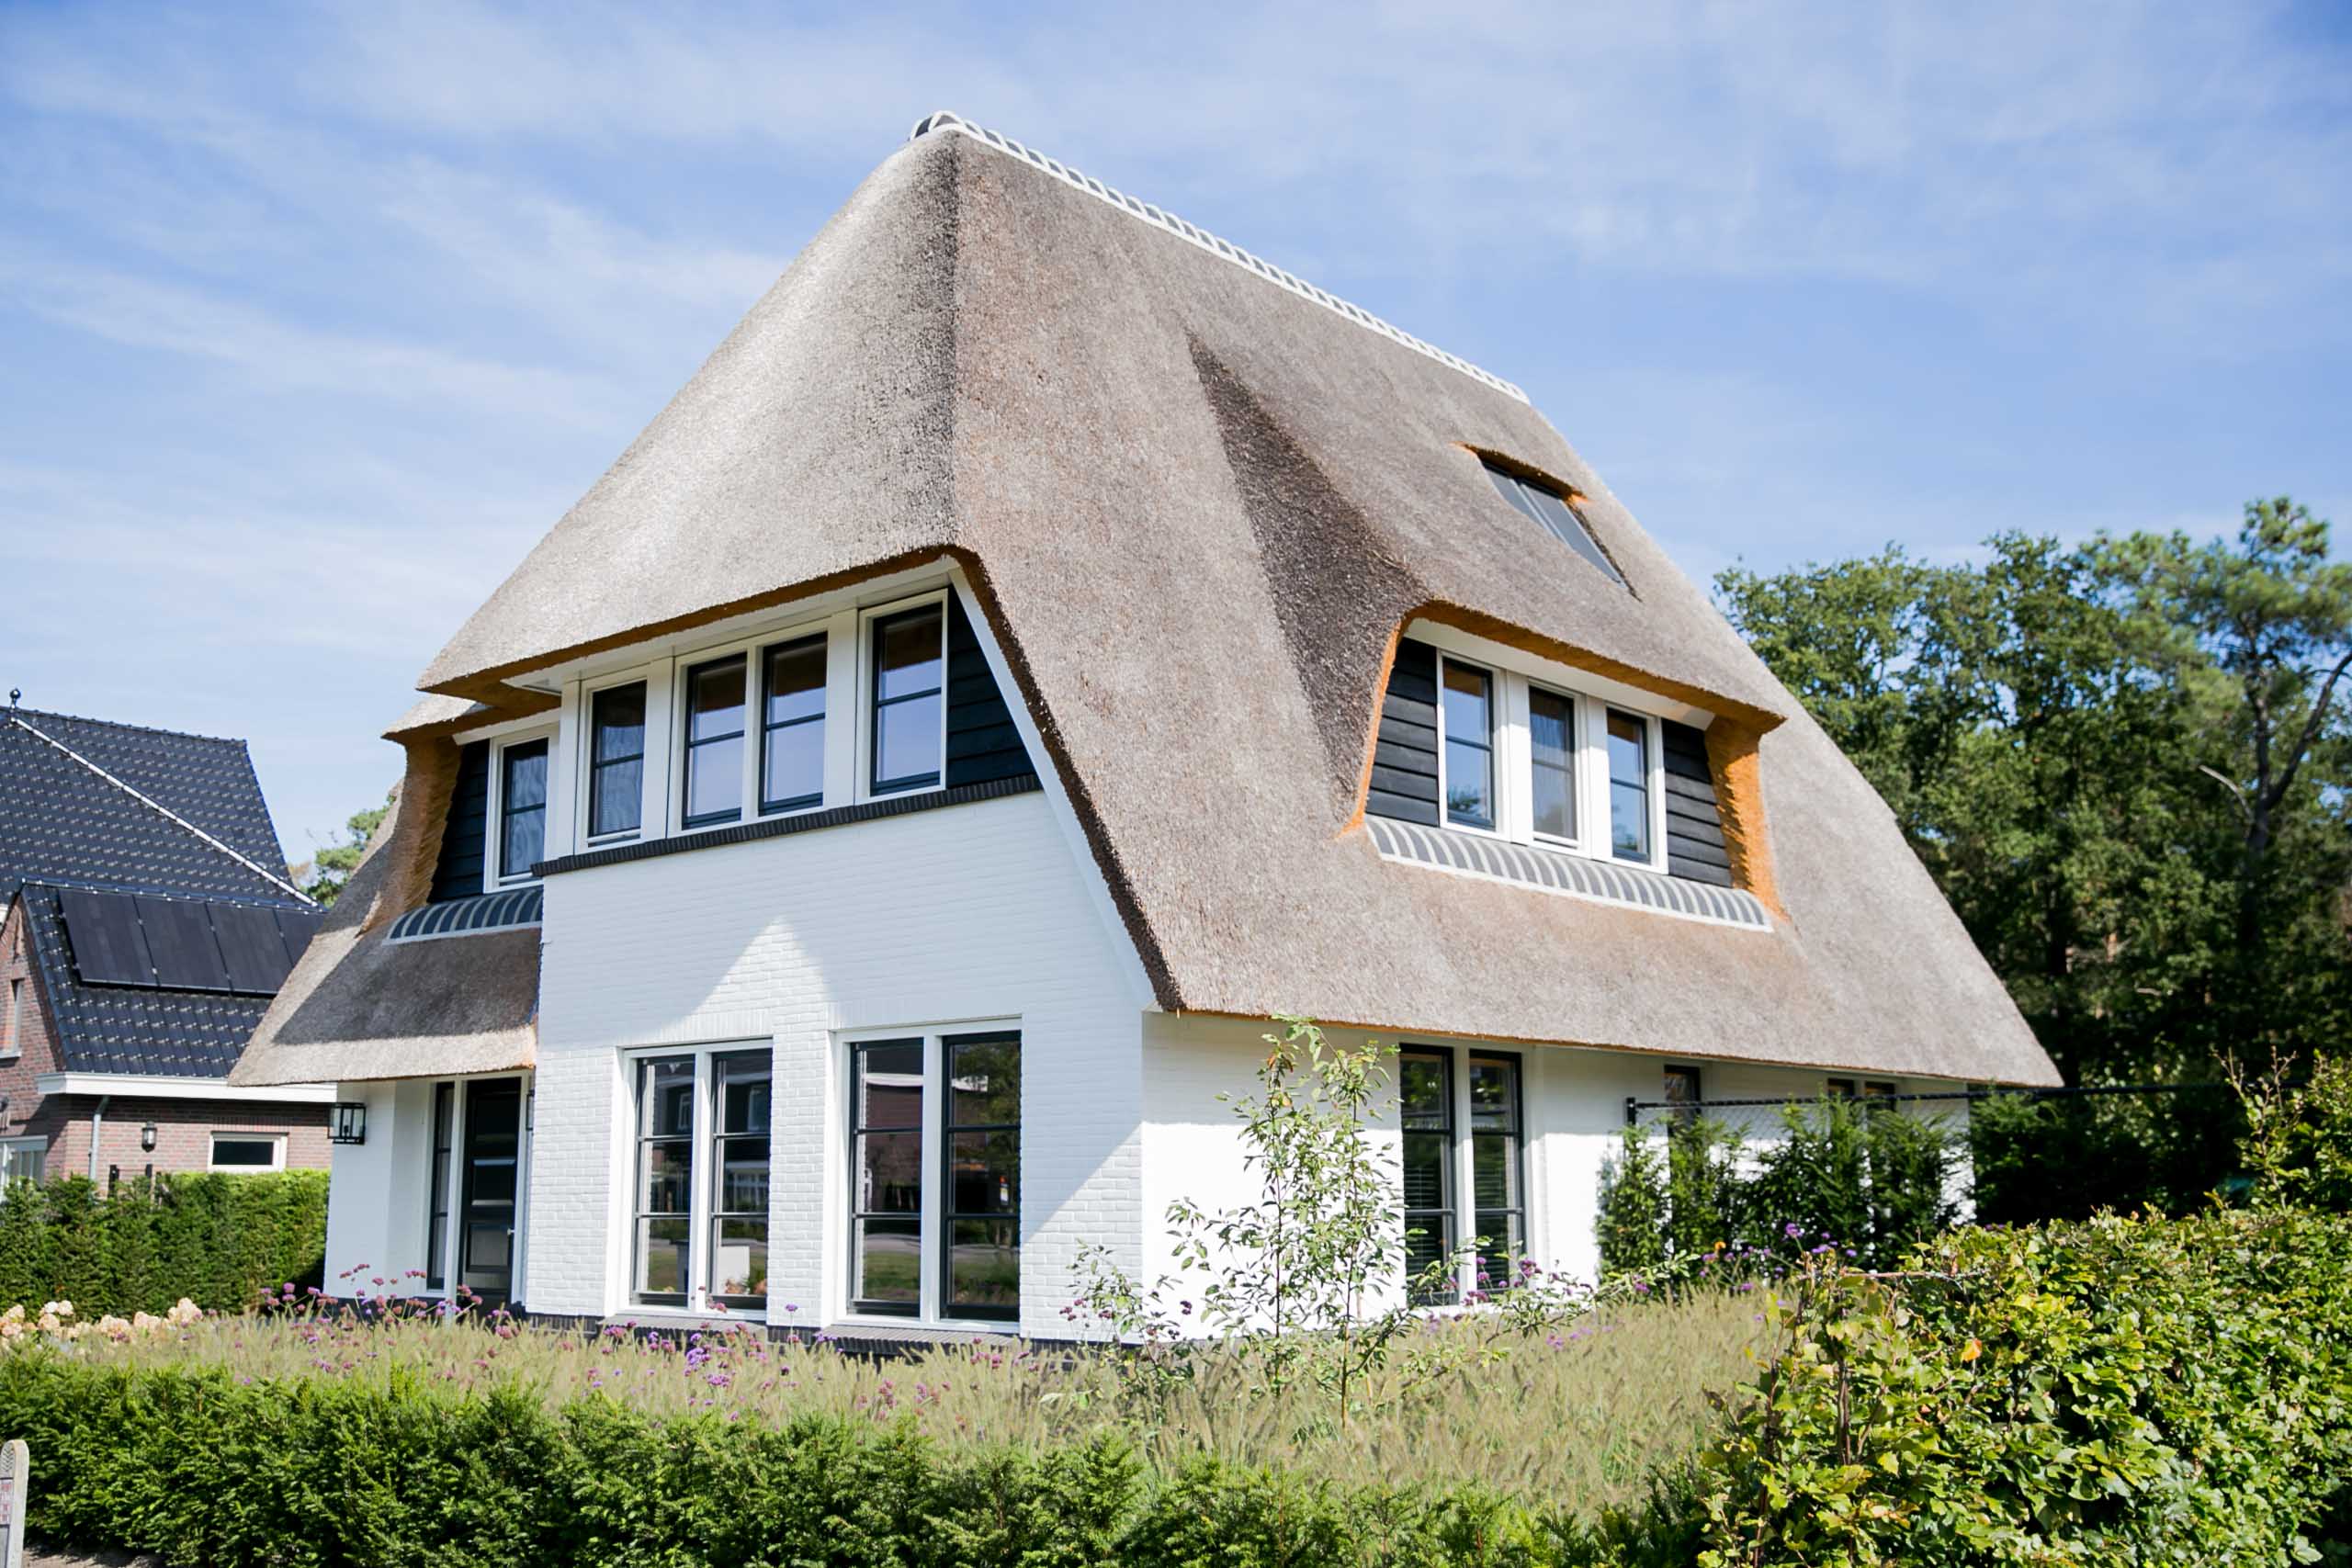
[(1471, 647), (158, 1087)]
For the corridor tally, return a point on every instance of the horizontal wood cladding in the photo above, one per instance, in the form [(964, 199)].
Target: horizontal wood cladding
[(982, 741), (458, 873), (1404, 757), (1694, 824)]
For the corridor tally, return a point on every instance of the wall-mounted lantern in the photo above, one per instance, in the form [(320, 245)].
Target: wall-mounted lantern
[(147, 1138), (347, 1122)]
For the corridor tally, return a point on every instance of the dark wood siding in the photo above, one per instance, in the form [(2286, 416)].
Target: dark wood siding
[(458, 873), (1404, 759), (982, 743), (1694, 825)]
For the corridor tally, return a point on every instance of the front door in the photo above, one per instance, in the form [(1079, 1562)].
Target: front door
[(492, 1172)]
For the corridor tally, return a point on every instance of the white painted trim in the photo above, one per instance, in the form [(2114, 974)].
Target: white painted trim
[(140, 1086), (276, 1142), (1551, 673)]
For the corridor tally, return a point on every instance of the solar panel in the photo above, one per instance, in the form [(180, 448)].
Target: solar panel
[(297, 927), (250, 944), (108, 947), (179, 938)]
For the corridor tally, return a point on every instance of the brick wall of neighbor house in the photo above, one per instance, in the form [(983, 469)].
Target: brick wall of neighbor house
[(976, 912), (183, 1127)]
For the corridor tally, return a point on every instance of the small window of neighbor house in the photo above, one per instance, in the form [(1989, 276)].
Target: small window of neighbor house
[(23, 1159), (1539, 502), (12, 1024), (247, 1152), (1837, 1089)]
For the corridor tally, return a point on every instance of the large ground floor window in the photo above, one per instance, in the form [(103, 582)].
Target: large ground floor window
[(1464, 1168), (698, 1224), (942, 1246)]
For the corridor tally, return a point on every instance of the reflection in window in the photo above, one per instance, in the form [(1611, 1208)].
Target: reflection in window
[(1466, 702), (1682, 1093), (983, 1209), (885, 1177), (617, 760), (739, 1199), (910, 698), (1498, 1181), (1629, 786), (1425, 1106), (1552, 756), (715, 743), (663, 1273), (523, 809), (792, 726)]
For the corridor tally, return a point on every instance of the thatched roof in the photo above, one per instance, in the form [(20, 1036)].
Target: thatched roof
[(1198, 503)]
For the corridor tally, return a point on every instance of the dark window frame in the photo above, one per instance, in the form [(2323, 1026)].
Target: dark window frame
[(1652, 759), (949, 1308), (1683, 1108), (598, 766), (1514, 1248), (877, 785), (718, 1138), (637, 1213), (508, 752), (442, 1163), (1525, 494), (865, 1306), (688, 745), (822, 641), (1448, 1212)]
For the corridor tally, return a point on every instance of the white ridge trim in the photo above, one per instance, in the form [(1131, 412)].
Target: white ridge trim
[(1143, 211), (155, 806)]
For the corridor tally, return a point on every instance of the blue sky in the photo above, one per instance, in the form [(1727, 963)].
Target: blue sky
[(312, 319)]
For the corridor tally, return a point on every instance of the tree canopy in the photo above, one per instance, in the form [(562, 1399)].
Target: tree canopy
[(2124, 762)]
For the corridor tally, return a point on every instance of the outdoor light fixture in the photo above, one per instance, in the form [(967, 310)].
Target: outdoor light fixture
[(147, 1138), (347, 1122)]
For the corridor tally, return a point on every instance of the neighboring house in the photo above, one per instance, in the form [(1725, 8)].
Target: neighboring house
[(837, 870), (144, 925)]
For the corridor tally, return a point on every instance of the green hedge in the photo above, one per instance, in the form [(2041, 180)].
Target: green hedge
[(217, 1240)]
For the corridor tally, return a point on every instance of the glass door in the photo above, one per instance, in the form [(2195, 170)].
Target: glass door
[(494, 1139)]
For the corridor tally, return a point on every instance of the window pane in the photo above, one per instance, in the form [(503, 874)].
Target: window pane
[(1510, 490), (662, 1256), (738, 1261), (715, 779), (984, 1264), (244, 1152), (910, 654), (666, 1098), (1469, 746), (987, 1167), (890, 1173), (1494, 1167), (715, 700), (1429, 1240), (985, 1080), (887, 1258), (796, 681), (1466, 704), (1551, 722), (1469, 785), (1494, 1093), (1421, 1092), (665, 1177), (615, 796), (792, 765), (526, 775), (1427, 1155), (890, 1084), (1568, 523), (906, 743), (619, 724), (523, 807), (1629, 786)]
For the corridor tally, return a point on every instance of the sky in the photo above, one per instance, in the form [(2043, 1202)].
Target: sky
[(315, 318)]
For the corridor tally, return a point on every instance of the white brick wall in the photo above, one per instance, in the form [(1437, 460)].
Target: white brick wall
[(973, 912)]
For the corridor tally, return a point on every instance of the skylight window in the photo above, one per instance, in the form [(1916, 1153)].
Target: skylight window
[(1543, 505)]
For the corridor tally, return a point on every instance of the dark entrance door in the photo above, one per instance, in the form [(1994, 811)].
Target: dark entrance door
[(493, 1168)]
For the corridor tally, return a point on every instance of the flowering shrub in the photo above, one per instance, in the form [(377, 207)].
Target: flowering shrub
[(57, 1324)]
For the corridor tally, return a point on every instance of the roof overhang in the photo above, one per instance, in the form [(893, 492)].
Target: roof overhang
[(156, 1086)]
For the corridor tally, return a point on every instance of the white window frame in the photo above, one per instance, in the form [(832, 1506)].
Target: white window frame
[(12, 1026), (755, 651), (494, 829), (30, 1146), (930, 1292), (584, 752), (699, 1190), (866, 729), (276, 1142), (1591, 701)]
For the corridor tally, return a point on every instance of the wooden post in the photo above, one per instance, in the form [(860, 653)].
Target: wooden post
[(15, 1477)]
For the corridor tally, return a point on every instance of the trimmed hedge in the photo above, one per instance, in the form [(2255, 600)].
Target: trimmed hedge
[(218, 1240)]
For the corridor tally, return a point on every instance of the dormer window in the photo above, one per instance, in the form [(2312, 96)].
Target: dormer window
[(792, 726), (910, 699), (1467, 696), (1629, 786), (617, 760), (522, 808), (1539, 502), (715, 743)]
